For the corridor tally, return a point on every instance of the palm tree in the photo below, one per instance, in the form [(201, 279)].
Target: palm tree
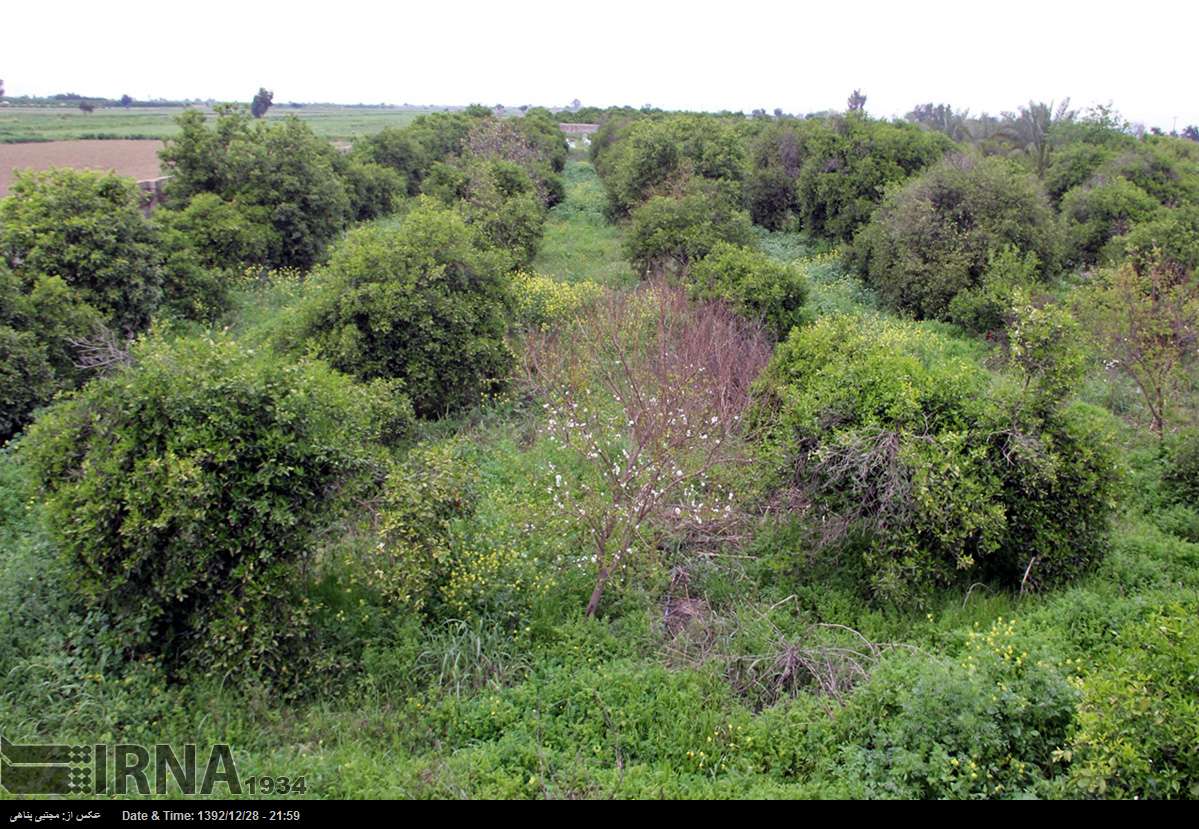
[(944, 119), (1030, 130)]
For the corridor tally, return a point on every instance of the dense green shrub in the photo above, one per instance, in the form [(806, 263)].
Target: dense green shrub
[(191, 289), (832, 173), (939, 234), (413, 150), (397, 149), (184, 493), (776, 156), (422, 303), (986, 725), (540, 126), (223, 234), (641, 159), (1181, 477), (543, 302), (447, 182), (1058, 476), (848, 166), (374, 190), (497, 198), (1096, 212), (293, 172), (78, 261), (1138, 722), (279, 167), (757, 286), (200, 160), (515, 225), (36, 355), (1164, 167), (26, 378), (517, 144), (88, 229), (913, 463), (985, 309), (414, 563), (770, 195), (668, 234), (1170, 234), (1073, 166)]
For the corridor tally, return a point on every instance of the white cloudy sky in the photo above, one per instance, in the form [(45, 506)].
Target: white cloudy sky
[(695, 55)]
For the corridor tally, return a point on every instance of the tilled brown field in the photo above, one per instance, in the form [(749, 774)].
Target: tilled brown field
[(138, 159)]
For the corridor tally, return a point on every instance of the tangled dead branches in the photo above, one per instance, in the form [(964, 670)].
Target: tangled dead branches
[(102, 352)]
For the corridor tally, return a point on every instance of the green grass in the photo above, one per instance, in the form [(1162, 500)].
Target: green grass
[(61, 124), (580, 243)]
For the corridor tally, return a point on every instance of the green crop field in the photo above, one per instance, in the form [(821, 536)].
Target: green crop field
[(69, 123)]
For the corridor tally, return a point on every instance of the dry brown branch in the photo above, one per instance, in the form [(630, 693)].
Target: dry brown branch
[(103, 351), (648, 392)]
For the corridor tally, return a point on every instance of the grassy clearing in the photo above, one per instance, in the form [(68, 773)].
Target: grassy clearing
[(580, 243)]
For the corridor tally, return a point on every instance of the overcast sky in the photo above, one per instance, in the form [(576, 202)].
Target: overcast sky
[(738, 55)]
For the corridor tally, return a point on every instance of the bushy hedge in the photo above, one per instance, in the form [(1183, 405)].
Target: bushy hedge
[(280, 174), (36, 356), (914, 463), (828, 175), (1095, 213), (184, 493), (223, 234), (425, 303), (1138, 722), (374, 190), (848, 166), (1181, 477), (777, 154), (79, 261), (1169, 234), (985, 725), (88, 229), (757, 286), (641, 159), (414, 151), (1073, 165), (668, 234), (414, 562), (938, 235), (498, 198)]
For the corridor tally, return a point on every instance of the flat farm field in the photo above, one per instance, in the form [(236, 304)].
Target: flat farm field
[(45, 123), (138, 159)]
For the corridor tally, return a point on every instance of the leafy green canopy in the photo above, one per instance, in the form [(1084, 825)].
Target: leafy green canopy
[(79, 262), (757, 286), (86, 228), (184, 492), (912, 460), (938, 235), (278, 175), (36, 356), (668, 234), (426, 304)]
